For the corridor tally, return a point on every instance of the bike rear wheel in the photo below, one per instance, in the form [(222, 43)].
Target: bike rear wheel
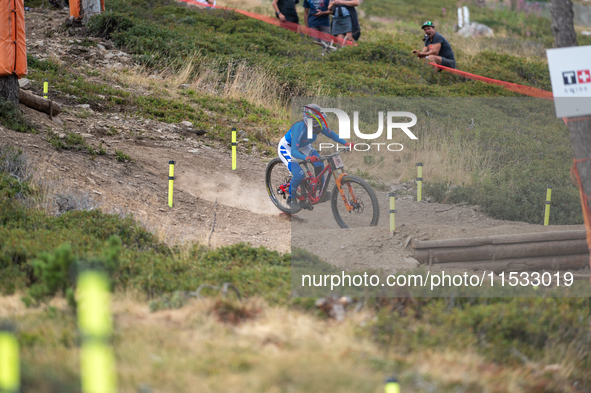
[(362, 197), (278, 175)]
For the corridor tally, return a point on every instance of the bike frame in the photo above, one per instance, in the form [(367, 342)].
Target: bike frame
[(311, 181)]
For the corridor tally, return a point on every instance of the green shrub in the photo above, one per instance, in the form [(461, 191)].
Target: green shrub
[(14, 173), (58, 271), (121, 157), (54, 271), (506, 330), (137, 260), (515, 201), (12, 118), (73, 142), (438, 191)]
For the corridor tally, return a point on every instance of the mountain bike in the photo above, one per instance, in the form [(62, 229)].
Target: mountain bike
[(354, 203)]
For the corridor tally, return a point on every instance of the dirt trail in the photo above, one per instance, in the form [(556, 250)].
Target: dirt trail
[(204, 176), (375, 248)]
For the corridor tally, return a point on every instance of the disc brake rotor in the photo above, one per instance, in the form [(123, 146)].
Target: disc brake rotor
[(357, 205)]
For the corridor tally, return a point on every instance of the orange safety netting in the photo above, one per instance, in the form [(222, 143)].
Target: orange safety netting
[(584, 201), (13, 47), (75, 7), (584, 197), (286, 25)]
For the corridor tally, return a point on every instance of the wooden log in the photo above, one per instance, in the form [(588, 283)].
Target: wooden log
[(561, 262), (39, 103), (502, 251), (503, 239)]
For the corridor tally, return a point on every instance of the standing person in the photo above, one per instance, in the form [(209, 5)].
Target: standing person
[(437, 50), (316, 15), (286, 11), (344, 19)]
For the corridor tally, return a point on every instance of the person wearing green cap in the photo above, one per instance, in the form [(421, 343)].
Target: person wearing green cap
[(436, 50)]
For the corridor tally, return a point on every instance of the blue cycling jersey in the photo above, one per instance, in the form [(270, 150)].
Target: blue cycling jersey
[(297, 137)]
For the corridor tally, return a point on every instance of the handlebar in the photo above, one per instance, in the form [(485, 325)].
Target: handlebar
[(323, 158)]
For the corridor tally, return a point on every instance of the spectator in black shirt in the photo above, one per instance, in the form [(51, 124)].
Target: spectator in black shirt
[(437, 50), (286, 10)]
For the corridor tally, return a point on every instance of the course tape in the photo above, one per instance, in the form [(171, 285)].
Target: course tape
[(525, 90), (286, 25)]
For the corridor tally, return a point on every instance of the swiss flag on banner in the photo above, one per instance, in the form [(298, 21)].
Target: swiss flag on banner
[(584, 76)]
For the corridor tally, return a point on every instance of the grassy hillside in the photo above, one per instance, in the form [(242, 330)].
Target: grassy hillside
[(242, 69), (385, 68), (267, 342), (222, 52)]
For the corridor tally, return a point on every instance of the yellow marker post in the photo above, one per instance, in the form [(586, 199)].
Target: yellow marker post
[(45, 89), (234, 148), (392, 211), (170, 181), (392, 385), (10, 378), (547, 213), (419, 181), (97, 361)]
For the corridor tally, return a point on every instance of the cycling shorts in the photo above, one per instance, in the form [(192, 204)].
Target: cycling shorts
[(284, 150)]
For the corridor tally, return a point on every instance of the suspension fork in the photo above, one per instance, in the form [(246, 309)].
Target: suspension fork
[(338, 178)]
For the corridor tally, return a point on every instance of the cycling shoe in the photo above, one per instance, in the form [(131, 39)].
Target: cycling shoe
[(294, 205)]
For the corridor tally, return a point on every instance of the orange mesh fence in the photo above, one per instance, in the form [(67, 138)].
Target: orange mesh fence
[(13, 47), (286, 25), (525, 90), (584, 201), (75, 8)]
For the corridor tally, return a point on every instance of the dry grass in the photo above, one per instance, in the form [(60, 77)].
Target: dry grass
[(500, 43), (470, 370), (274, 350), (243, 4), (256, 84), (444, 158), (279, 350), (54, 198)]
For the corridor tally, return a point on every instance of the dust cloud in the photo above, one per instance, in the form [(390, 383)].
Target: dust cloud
[(230, 190)]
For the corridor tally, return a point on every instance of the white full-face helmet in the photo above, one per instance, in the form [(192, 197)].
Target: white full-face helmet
[(314, 114)]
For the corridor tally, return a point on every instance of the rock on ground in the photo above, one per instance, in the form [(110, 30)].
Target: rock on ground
[(476, 30)]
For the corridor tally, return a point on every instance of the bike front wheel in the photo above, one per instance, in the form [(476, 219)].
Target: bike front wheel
[(363, 199)]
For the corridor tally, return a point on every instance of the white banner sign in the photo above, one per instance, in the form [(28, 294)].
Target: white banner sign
[(570, 74)]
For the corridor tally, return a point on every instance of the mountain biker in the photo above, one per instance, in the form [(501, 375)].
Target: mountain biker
[(296, 144)]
